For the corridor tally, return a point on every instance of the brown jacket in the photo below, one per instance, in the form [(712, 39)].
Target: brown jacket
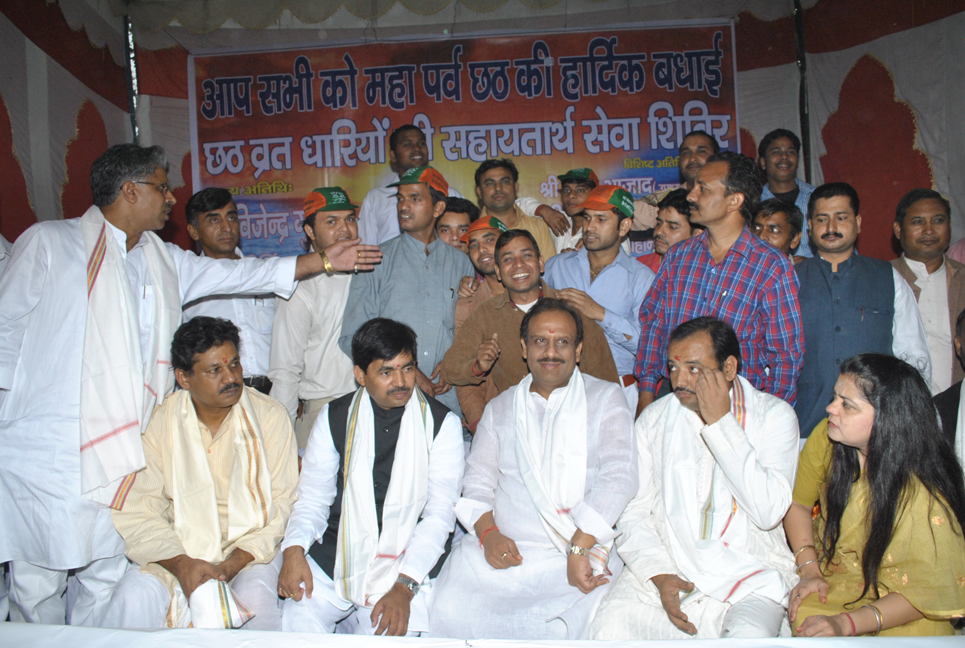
[(955, 275), (473, 398), (498, 315)]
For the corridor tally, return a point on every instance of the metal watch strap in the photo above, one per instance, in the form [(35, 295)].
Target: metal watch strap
[(573, 549), (409, 583)]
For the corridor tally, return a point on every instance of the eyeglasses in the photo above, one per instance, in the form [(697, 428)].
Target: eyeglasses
[(162, 187)]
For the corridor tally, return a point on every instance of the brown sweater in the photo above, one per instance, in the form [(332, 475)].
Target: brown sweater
[(499, 315)]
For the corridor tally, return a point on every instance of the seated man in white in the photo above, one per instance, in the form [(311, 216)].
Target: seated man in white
[(550, 470), (702, 540), (377, 461), (204, 519)]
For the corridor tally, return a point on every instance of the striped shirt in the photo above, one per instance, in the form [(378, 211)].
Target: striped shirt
[(754, 289)]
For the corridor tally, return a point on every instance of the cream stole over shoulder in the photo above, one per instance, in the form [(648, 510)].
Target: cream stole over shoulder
[(367, 562), (119, 388), (701, 533), (552, 464), (196, 518)]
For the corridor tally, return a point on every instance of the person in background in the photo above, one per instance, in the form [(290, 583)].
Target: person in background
[(378, 219), (497, 185), (855, 304), (886, 555), (673, 226), (575, 186), (601, 282), (452, 226), (212, 217), (417, 282), (307, 367), (780, 224), (923, 228), (778, 155)]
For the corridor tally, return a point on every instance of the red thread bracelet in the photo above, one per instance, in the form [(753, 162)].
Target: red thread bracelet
[(477, 374), (853, 629), (485, 532)]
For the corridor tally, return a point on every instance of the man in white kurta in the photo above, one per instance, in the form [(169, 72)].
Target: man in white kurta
[(376, 497), (550, 470), (213, 501), (702, 540), (307, 366), (54, 516)]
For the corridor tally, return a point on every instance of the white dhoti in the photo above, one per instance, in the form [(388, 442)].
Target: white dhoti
[(533, 600), (142, 602), (635, 611), (325, 610)]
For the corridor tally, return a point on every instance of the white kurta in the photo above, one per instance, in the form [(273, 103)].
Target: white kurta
[(44, 520), (306, 361), (758, 466), (473, 600), (252, 314)]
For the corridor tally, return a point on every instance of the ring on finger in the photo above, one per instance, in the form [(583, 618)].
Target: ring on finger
[(503, 557)]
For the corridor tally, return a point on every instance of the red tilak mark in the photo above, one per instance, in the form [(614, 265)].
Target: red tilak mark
[(677, 358), (552, 331), (224, 360)]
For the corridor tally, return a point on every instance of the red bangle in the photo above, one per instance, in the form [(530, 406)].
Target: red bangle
[(493, 527), (853, 629), (475, 372)]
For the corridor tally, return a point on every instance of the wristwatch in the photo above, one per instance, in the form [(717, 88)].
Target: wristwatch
[(409, 583), (573, 549)]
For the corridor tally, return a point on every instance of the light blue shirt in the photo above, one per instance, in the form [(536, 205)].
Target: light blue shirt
[(415, 289), (619, 289), (803, 196)]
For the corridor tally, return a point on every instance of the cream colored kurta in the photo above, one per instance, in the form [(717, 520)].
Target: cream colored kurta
[(146, 521)]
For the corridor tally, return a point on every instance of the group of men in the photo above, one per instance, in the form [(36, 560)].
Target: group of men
[(634, 423)]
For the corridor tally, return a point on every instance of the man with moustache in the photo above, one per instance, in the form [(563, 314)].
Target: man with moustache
[(378, 218), (779, 223), (375, 501), (673, 226), (417, 281), (551, 468), (575, 186), (485, 345), (602, 282), (212, 217), (778, 155), (308, 368), (853, 304), (103, 295), (695, 148), (923, 227), (702, 540), (728, 273), (211, 505)]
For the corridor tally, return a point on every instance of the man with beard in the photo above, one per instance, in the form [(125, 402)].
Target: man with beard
[(485, 346), (673, 226), (210, 507), (307, 368), (602, 282), (730, 274), (377, 217), (854, 304), (551, 468), (417, 282)]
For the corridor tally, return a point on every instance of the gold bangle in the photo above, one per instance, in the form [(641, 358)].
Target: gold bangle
[(329, 268), (877, 618), (798, 552), (800, 567)]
